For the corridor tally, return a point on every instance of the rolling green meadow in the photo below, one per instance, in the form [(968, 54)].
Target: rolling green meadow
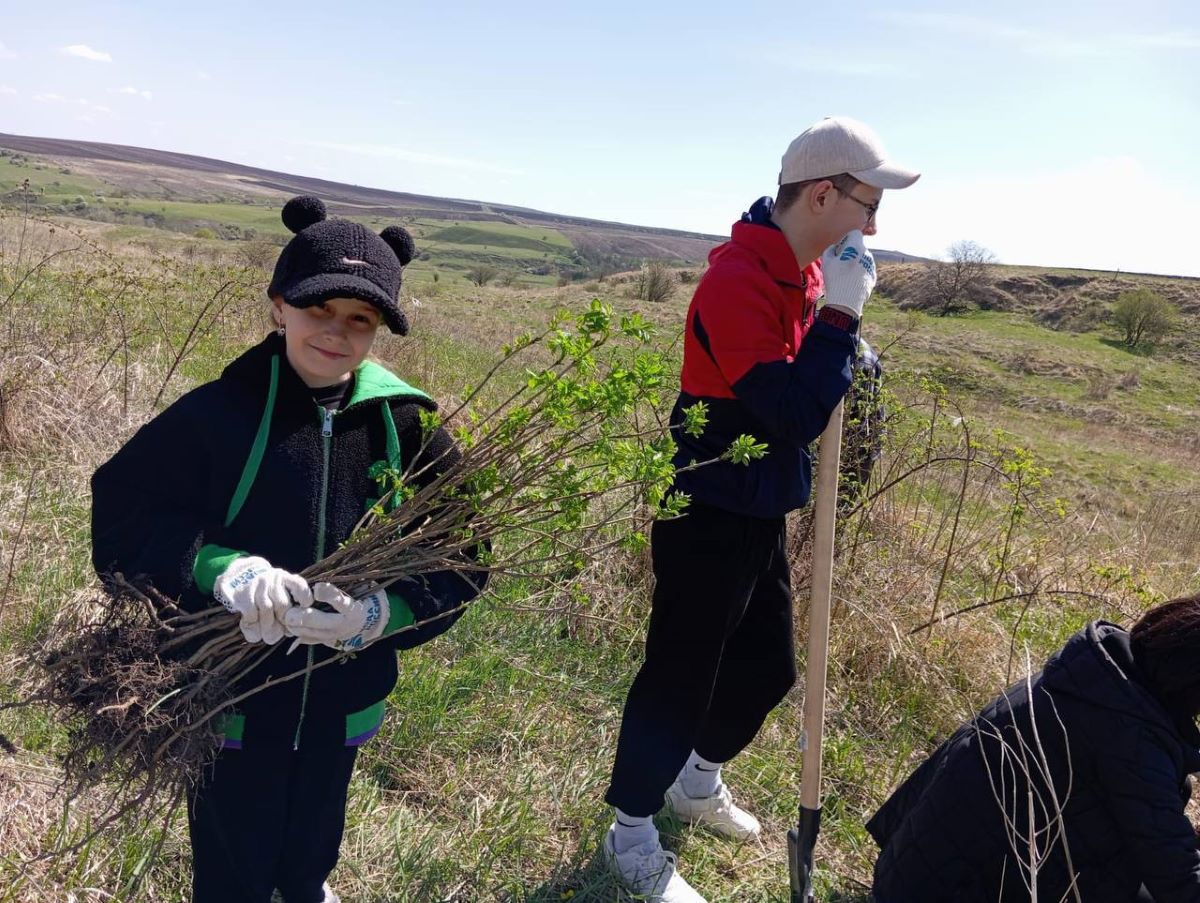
[(1035, 476)]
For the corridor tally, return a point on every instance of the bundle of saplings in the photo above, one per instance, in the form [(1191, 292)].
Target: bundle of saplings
[(563, 454)]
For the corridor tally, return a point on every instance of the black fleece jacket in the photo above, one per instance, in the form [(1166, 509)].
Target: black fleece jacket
[(1118, 765), (164, 509)]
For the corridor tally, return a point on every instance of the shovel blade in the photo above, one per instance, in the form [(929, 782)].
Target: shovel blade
[(802, 839)]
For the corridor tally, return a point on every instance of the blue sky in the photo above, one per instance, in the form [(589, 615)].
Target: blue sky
[(1058, 134)]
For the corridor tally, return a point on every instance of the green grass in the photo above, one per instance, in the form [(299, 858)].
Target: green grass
[(1048, 388), (263, 219), (47, 179), (487, 780), (501, 235)]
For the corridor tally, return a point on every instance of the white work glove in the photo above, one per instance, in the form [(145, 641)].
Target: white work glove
[(849, 272), (353, 623), (260, 593)]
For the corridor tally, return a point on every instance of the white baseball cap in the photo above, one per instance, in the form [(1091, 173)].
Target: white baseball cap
[(838, 144)]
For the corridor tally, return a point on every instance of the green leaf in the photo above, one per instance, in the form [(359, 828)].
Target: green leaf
[(744, 449)]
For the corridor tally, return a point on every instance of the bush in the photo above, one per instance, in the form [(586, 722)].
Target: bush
[(655, 282), (259, 254), (482, 274), (953, 284), (1129, 381), (1143, 317)]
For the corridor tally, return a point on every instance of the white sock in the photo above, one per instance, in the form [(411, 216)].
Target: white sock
[(700, 778), (630, 831)]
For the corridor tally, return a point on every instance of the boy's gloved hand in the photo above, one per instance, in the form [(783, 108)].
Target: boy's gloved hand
[(849, 272), (353, 623), (260, 593)]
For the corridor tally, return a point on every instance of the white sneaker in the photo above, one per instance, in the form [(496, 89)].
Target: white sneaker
[(718, 813), (648, 872)]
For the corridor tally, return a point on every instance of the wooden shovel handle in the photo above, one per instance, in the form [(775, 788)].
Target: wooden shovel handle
[(824, 526)]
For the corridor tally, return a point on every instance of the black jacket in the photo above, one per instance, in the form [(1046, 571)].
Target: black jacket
[(242, 465), (1118, 762)]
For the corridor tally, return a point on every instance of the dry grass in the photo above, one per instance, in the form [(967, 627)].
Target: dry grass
[(486, 782)]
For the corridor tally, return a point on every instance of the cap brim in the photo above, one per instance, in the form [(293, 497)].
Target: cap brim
[(888, 176), (320, 288)]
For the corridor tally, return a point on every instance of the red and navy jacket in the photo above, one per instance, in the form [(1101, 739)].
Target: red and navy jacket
[(757, 355)]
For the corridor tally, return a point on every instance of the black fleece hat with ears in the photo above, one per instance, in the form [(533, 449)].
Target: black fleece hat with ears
[(336, 258)]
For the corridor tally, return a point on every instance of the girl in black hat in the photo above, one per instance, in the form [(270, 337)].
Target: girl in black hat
[(244, 482)]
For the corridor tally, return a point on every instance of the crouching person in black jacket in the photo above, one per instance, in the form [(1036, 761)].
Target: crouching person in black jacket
[(1081, 772), (244, 482)]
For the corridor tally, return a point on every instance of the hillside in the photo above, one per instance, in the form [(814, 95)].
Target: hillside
[(1062, 300), (186, 193)]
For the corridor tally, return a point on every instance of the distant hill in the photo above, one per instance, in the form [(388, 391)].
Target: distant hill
[(122, 172)]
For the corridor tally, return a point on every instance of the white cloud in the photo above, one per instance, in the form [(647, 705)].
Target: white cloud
[(396, 153), (203, 76), (83, 51), (129, 89), (78, 101), (1043, 43), (5, 89), (1060, 218), (5, 53)]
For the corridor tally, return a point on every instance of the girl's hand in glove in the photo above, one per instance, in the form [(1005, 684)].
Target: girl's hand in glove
[(261, 594), (353, 623), (849, 272)]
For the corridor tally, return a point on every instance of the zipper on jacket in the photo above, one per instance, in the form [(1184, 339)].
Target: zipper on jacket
[(326, 441)]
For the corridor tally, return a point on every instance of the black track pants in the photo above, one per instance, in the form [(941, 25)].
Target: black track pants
[(270, 817), (719, 651)]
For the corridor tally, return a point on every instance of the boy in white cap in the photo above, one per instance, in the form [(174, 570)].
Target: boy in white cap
[(766, 361)]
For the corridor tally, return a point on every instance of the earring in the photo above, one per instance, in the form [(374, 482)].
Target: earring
[(281, 330)]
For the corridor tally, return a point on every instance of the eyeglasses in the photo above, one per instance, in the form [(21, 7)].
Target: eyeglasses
[(871, 209)]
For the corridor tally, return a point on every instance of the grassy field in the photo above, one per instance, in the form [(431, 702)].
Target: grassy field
[(534, 255), (233, 214), (487, 780)]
